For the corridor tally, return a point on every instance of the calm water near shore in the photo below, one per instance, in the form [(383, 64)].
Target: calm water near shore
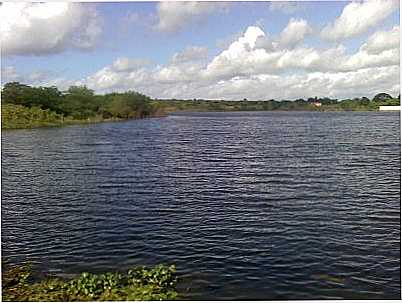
[(248, 205)]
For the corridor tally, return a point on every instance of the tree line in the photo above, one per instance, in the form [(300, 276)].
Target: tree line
[(27, 106), (310, 104)]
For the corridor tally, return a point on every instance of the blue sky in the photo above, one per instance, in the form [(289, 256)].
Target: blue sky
[(320, 41)]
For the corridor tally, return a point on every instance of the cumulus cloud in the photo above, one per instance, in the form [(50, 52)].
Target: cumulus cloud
[(382, 40), (106, 78), (245, 70), (362, 59), (46, 28), (173, 16), (363, 82), (294, 32), (286, 7), (10, 74), (267, 43), (36, 78), (225, 42), (127, 64), (337, 85), (243, 57), (190, 53), (248, 56), (358, 17), (292, 35), (287, 69)]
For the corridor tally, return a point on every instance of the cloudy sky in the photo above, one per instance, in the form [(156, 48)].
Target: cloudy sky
[(214, 50)]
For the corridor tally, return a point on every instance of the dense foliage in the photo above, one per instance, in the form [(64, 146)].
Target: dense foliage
[(26, 106), (158, 283), (18, 116)]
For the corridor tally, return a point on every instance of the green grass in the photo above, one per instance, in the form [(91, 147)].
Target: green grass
[(140, 283)]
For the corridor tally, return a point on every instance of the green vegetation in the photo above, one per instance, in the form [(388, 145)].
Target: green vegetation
[(311, 104), (24, 106), (158, 283), (18, 116)]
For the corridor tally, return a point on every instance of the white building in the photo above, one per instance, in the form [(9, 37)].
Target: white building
[(390, 108)]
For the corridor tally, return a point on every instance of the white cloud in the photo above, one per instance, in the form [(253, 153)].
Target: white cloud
[(35, 78), (334, 84), (178, 73), (362, 59), (382, 40), (358, 17), (173, 15), (190, 53), (287, 69), (225, 42), (248, 56), (238, 57), (285, 7), (107, 79), (127, 64), (45, 28), (294, 32), (292, 35), (245, 70)]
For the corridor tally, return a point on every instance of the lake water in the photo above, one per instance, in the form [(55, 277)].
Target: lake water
[(275, 205)]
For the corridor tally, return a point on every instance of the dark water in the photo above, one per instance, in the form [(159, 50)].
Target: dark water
[(247, 205)]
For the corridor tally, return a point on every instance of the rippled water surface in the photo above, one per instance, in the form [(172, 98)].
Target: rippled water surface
[(273, 205)]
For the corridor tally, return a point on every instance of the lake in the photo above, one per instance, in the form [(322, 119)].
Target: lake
[(248, 205)]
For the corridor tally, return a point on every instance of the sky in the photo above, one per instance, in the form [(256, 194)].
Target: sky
[(210, 50)]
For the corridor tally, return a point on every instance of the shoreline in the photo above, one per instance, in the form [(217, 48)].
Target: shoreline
[(71, 122), (76, 122), (113, 120)]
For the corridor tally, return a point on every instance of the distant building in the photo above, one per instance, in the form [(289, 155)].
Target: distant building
[(318, 104), (390, 108)]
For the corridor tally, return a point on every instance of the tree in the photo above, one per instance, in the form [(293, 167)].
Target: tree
[(79, 91), (79, 102), (382, 97), (15, 92), (21, 94), (365, 101)]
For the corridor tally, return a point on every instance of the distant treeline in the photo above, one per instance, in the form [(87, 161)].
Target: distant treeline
[(24, 106), (310, 104)]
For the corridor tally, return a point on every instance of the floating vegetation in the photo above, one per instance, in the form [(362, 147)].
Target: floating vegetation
[(140, 283)]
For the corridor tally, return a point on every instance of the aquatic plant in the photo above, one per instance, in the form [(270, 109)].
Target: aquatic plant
[(141, 283)]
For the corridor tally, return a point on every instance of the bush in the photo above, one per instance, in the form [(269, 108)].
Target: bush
[(18, 116)]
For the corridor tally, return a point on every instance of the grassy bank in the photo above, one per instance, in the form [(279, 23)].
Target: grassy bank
[(158, 283)]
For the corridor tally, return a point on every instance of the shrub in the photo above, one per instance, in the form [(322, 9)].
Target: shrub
[(18, 116)]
